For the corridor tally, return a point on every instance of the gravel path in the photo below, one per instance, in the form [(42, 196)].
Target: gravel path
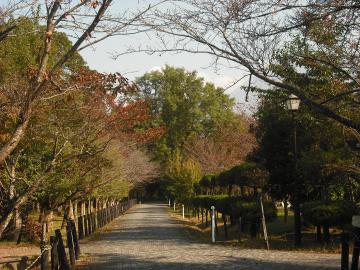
[(147, 238)]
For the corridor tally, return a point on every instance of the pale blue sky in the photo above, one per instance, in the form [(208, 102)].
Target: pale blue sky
[(137, 64), (99, 56)]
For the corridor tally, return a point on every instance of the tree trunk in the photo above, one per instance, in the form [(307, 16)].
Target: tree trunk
[(239, 229), (225, 226), (297, 223), (6, 219), (18, 134), (216, 224), (45, 219), (326, 233), (76, 213), (17, 224), (286, 211), (206, 217), (253, 230), (318, 233)]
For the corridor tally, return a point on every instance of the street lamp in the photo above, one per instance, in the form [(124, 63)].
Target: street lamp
[(293, 104)]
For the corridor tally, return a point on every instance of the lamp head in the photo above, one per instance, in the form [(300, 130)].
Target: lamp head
[(293, 103)]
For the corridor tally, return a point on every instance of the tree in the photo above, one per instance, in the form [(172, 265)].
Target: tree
[(249, 34), (66, 152), (183, 173), (90, 22), (7, 12), (318, 151), (228, 146), (185, 106)]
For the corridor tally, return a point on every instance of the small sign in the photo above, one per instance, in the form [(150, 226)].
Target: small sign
[(356, 221)]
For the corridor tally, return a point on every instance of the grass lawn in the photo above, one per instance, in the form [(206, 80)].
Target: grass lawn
[(10, 248)]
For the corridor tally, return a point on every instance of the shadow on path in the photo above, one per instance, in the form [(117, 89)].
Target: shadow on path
[(116, 261), (147, 238)]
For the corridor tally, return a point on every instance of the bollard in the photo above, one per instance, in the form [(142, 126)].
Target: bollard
[(169, 203), (174, 205), (213, 224), (183, 211)]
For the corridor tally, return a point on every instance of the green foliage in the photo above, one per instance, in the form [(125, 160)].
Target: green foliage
[(330, 213), (20, 52), (183, 173), (185, 105), (248, 209), (247, 174), (205, 181), (322, 156)]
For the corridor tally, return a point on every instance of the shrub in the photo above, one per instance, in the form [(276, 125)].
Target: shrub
[(249, 210), (329, 213)]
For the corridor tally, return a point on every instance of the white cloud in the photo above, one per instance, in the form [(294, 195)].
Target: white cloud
[(156, 68)]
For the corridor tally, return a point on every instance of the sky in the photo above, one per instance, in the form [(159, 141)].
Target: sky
[(135, 65), (99, 56)]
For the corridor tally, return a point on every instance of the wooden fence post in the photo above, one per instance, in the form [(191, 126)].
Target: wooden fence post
[(44, 262), (86, 225), (96, 225), (81, 227), (54, 253), (93, 221), (89, 224), (75, 240), (63, 262), (101, 218), (76, 213), (356, 250), (23, 263), (344, 251), (206, 217), (70, 243)]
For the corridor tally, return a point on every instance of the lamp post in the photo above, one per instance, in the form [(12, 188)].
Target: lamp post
[(293, 104)]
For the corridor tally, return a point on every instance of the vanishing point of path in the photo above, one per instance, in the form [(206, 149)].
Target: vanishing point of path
[(147, 238)]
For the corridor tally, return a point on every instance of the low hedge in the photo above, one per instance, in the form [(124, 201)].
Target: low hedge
[(248, 209), (329, 213)]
